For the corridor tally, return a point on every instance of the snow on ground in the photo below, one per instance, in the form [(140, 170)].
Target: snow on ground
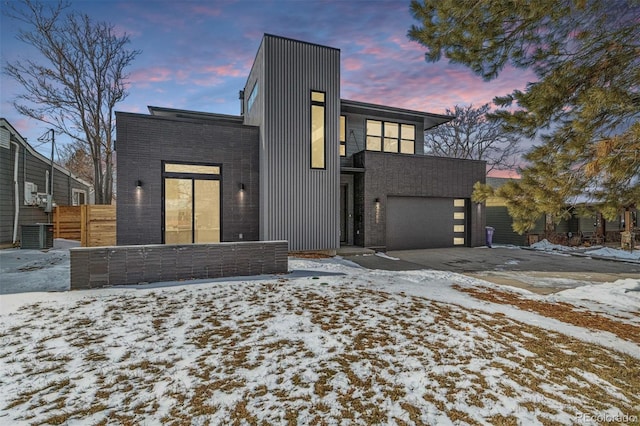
[(328, 343), (596, 251)]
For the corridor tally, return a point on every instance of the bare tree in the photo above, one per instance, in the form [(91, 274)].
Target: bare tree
[(74, 157), (76, 83), (472, 135)]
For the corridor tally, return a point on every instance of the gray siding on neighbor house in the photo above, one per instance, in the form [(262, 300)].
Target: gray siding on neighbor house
[(31, 168), (413, 176), (498, 218), (144, 142), (298, 204)]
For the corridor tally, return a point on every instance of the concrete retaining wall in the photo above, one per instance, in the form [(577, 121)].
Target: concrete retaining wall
[(94, 267)]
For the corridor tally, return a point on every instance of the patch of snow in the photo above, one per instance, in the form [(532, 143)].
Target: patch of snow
[(545, 245), (615, 253), (386, 256)]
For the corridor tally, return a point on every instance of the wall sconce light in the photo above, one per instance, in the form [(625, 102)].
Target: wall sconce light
[(377, 200), (138, 184), (242, 187)]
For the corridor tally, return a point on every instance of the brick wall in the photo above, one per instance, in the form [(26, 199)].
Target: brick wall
[(144, 141), (416, 176), (94, 267)]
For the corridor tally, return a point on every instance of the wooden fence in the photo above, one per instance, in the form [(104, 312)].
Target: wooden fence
[(92, 225)]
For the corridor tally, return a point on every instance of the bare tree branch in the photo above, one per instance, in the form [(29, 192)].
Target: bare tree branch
[(78, 81), (472, 135)]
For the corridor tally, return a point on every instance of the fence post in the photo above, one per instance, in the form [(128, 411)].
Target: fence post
[(83, 226)]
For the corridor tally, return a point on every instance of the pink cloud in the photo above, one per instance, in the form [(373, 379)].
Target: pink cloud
[(229, 70), (142, 77), (352, 64), (203, 10)]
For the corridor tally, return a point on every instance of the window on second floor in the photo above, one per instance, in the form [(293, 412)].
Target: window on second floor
[(252, 96), (318, 136), (343, 136), (388, 136)]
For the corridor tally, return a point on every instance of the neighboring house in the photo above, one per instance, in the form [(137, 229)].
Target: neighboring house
[(586, 222), (298, 164), (25, 185)]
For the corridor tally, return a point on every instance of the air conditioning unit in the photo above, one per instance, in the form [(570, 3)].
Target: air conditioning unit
[(30, 194), (38, 236)]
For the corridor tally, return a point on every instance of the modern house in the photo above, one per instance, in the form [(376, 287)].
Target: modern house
[(27, 195), (298, 164)]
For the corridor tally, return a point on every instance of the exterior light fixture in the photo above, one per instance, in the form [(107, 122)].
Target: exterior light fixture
[(377, 200), (242, 187), (138, 184)]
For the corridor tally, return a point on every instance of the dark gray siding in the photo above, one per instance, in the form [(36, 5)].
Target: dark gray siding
[(412, 176), (33, 168), (298, 204), (145, 141)]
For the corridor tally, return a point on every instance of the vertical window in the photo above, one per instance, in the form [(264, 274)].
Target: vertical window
[(318, 136), (459, 222), (408, 139), (252, 96), (343, 136), (374, 135), (391, 134)]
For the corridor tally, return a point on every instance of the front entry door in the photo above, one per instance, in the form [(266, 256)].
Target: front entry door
[(191, 208)]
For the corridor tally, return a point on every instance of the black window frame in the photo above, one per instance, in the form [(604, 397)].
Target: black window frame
[(322, 104)]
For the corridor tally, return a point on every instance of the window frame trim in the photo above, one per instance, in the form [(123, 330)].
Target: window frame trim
[(322, 104)]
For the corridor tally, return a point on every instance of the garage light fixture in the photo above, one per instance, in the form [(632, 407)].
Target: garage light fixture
[(138, 184)]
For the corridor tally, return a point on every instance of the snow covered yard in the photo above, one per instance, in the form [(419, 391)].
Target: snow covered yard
[(341, 345)]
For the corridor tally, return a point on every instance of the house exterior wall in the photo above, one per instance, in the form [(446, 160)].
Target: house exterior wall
[(297, 203), (416, 176), (356, 125), (31, 168), (144, 142)]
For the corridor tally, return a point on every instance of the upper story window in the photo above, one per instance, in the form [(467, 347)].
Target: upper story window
[(388, 136), (318, 135), (252, 96), (343, 136)]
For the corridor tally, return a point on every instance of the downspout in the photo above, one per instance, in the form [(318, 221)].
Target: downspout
[(17, 192)]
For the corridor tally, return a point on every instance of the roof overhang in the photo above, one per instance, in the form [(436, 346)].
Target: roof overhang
[(430, 120), (194, 115)]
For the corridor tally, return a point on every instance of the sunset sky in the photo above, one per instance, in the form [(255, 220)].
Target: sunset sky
[(197, 54)]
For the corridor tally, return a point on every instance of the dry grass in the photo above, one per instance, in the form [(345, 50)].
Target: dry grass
[(564, 312), (302, 355)]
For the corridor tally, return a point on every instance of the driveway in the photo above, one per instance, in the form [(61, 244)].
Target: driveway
[(537, 271)]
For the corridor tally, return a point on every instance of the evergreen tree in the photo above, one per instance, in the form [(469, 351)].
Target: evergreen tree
[(585, 106)]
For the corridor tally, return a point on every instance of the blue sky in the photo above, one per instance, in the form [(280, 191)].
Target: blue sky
[(197, 54)]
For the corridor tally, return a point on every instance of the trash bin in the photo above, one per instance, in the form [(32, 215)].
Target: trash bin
[(489, 235)]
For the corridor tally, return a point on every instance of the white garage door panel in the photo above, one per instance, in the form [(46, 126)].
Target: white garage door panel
[(420, 222)]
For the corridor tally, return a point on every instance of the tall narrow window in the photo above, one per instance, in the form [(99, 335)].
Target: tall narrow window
[(252, 96), (391, 134), (318, 136), (343, 136), (374, 135), (408, 139)]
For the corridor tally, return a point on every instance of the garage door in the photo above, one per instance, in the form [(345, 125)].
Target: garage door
[(422, 222)]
